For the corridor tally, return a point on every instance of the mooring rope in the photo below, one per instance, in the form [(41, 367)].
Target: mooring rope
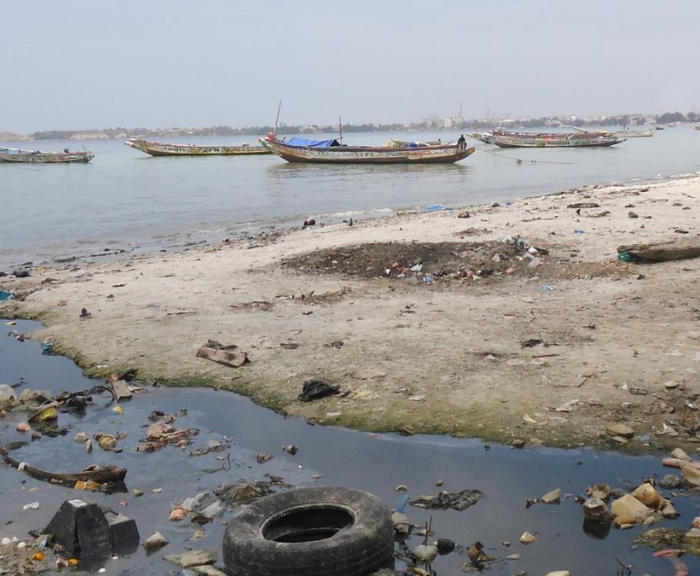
[(519, 160)]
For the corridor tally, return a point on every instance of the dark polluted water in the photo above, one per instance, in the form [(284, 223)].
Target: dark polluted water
[(377, 463)]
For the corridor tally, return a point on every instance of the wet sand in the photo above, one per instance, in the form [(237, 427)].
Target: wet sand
[(445, 357)]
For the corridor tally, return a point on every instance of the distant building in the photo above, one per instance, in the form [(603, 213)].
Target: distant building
[(89, 136)]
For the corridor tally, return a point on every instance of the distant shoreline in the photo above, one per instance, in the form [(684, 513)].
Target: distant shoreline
[(451, 123)]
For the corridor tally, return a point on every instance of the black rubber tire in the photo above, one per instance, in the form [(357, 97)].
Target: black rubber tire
[(363, 548)]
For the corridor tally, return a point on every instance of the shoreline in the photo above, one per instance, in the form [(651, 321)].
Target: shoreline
[(440, 358), (102, 250)]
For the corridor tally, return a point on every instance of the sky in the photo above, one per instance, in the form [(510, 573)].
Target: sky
[(89, 64)]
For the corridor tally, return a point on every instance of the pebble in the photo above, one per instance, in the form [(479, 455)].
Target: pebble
[(670, 384)]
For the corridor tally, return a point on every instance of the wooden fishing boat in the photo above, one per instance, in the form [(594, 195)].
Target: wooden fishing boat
[(552, 140), (39, 157), (162, 149), (619, 134), (485, 137), (333, 152), (411, 143)]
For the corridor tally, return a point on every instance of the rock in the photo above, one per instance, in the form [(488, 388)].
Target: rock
[(691, 475), (553, 497), (7, 396), (680, 454), (671, 384), (155, 542), (425, 553), (194, 558), (600, 490), (629, 510), (596, 509), (648, 496), (137, 493), (402, 527), (620, 430), (669, 512), (670, 481)]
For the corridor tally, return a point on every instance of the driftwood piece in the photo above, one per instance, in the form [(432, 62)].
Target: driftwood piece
[(663, 251), (99, 474)]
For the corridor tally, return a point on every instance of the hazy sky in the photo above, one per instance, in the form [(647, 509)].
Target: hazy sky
[(156, 63)]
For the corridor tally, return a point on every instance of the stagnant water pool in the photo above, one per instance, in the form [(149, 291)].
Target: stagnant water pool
[(377, 463)]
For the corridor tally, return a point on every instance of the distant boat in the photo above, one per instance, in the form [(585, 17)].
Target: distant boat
[(411, 143), (333, 152), (162, 149), (619, 134), (505, 139), (39, 157), (485, 137), (697, 126)]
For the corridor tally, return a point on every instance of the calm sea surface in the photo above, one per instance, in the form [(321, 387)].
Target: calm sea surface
[(126, 199)]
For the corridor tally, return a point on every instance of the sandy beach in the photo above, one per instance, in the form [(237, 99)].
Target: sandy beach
[(553, 345)]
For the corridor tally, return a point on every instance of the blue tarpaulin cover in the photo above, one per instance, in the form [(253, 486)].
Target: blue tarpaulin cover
[(315, 143)]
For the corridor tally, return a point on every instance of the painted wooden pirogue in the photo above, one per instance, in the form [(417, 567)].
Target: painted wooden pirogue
[(552, 140), (38, 157), (332, 152), (620, 133), (162, 149)]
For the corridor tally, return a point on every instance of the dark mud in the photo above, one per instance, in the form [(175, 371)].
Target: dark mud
[(453, 261), (377, 463)]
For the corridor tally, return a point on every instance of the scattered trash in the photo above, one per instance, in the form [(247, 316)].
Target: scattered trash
[(527, 538), (290, 449), (32, 506), (87, 530), (5, 295), (47, 349), (95, 473), (457, 501), (315, 389)]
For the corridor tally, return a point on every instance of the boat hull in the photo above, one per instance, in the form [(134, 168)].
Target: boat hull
[(444, 154), (37, 157), (511, 142), (191, 150)]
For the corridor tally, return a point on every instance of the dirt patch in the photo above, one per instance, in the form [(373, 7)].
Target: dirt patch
[(452, 261)]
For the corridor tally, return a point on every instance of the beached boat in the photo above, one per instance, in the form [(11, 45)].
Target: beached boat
[(163, 149), (39, 157), (333, 152), (618, 134), (552, 140)]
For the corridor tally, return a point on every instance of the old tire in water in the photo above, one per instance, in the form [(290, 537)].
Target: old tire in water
[(319, 531)]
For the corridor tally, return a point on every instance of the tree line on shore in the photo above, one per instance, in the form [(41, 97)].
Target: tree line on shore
[(436, 124)]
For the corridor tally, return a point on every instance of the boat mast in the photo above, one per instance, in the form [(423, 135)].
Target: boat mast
[(340, 129), (279, 108)]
